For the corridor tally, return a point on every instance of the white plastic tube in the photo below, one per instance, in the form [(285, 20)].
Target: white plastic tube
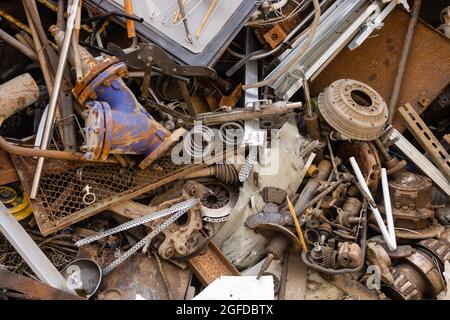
[(389, 236), (387, 204)]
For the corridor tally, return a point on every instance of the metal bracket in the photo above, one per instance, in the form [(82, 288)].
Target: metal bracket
[(417, 158)]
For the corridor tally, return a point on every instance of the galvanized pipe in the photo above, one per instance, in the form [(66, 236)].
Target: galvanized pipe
[(403, 60), (54, 97), (16, 44)]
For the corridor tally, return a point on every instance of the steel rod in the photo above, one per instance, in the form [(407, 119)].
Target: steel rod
[(16, 44), (403, 60), (72, 10)]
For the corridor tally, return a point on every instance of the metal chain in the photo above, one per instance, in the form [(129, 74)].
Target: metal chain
[(143, 241), (182, 206)]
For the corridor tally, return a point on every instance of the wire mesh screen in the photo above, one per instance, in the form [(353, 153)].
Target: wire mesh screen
[(72, 192)]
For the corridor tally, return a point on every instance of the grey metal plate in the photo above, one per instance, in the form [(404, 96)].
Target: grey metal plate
[(224, 23)]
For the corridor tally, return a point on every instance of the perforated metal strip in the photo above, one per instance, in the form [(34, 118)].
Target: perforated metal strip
[(182, 206), (248, 164), (144, 240)]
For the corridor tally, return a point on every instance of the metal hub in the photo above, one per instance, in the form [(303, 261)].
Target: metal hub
[(353, 109), (217, 206)]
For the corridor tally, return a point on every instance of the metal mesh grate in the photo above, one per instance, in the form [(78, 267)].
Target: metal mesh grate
[(60, 199)]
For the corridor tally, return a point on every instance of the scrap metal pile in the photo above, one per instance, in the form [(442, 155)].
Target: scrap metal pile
[(192, 149)]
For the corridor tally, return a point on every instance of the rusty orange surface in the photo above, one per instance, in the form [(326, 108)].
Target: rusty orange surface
[(375, 62)]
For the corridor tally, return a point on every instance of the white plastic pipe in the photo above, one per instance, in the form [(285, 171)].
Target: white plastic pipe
[(389, 237), (387, 204)]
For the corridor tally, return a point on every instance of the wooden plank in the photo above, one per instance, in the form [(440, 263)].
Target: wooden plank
[(8, 173)]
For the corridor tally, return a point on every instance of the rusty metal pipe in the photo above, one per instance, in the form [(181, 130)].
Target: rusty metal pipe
[(39, 47), (16, 95), (52, 105), (60, 14), (48, 79), (403, 60), (14, 21), (26, 40), (76, 46), (16, 44), (51, 154)]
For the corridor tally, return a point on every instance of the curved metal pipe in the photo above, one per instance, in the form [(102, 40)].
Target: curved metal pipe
[(52, 154)]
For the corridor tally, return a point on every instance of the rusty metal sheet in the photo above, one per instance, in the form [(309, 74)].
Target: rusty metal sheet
[(33, 288), (138, 275), (375, 63), (140, 278), (211, 264)]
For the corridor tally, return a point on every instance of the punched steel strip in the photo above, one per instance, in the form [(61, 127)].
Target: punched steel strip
[(182, 206), (248, 164), (426, 138), (142, 242), (418, 159)]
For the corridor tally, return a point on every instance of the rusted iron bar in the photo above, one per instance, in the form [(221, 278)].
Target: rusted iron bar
[(43, 63), (65, 104), (57, 8), (16, 44), (14, 21), (53, 100), (60, 11), (403, 60), (33, 288)]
